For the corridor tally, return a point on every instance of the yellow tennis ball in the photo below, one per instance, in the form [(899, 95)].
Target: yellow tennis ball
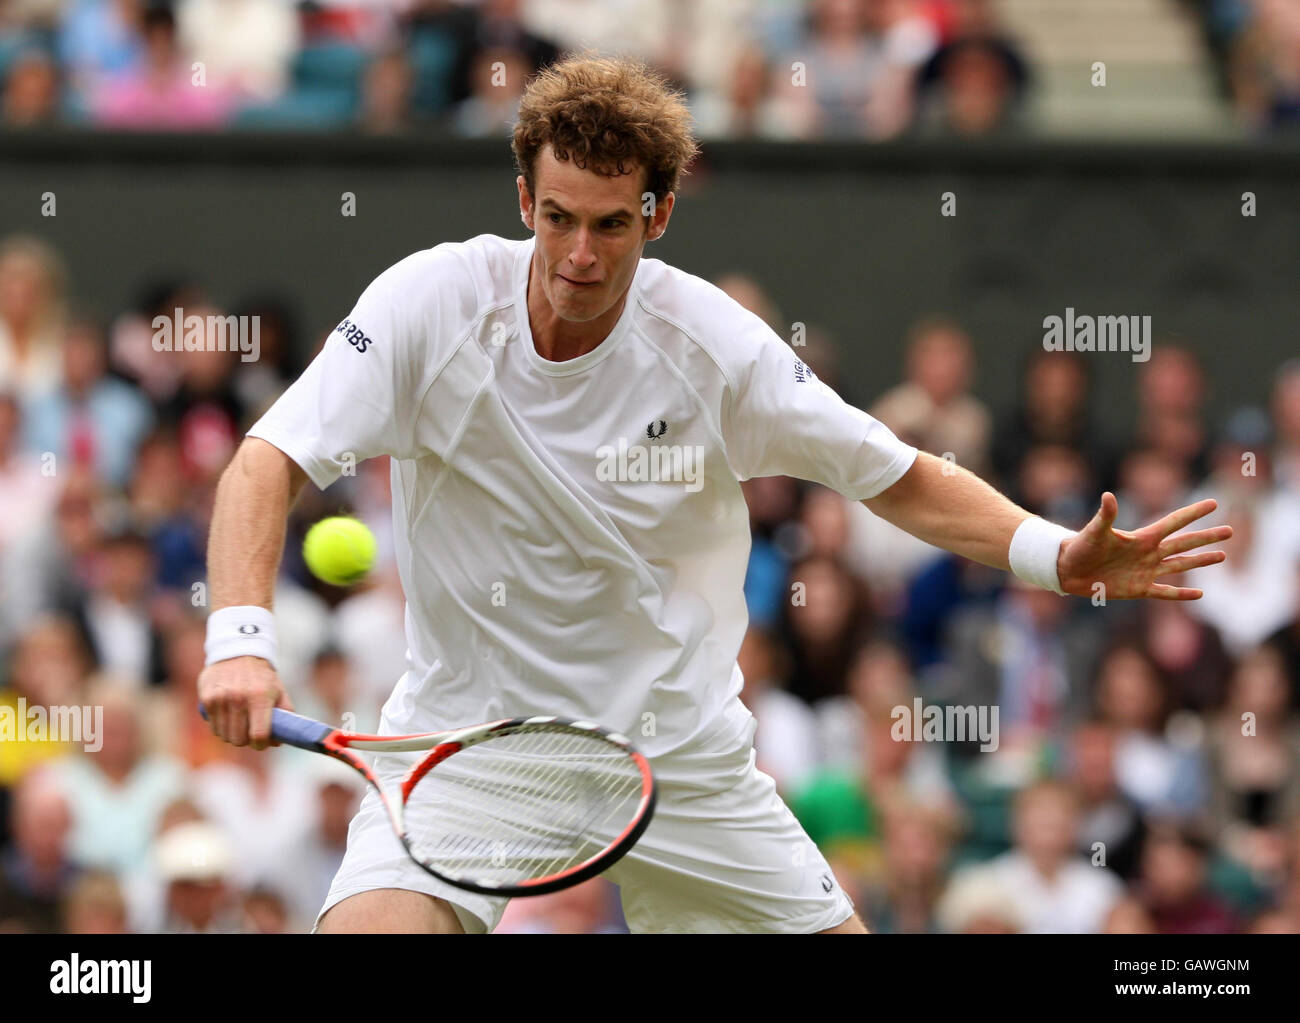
[(339, 550)]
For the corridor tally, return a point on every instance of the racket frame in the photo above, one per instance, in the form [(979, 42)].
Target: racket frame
[(316, 736)]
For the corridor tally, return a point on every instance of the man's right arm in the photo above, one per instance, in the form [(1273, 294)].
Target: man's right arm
[(245, 544)]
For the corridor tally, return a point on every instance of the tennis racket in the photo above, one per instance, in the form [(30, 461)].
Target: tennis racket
[(522, 806)]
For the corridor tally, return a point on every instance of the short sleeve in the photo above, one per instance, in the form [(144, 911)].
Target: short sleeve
[(359, 398), (784, 421)]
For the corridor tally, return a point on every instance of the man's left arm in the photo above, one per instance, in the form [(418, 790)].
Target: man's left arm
[(950, 507)]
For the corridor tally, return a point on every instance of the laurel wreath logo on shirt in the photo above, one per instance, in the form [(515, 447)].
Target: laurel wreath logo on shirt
[(650, 430)]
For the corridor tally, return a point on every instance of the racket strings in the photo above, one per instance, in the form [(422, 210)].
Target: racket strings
[(542, 832), (547, 791), (523, 806)]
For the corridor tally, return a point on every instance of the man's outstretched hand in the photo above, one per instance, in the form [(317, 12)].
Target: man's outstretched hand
[(1129, 564)]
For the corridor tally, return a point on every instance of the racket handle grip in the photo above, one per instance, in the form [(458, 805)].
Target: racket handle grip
[(293, 729)]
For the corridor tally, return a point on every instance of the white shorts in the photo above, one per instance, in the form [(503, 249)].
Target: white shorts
[(723, 854)]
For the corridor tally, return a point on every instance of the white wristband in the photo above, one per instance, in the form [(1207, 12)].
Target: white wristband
[(1035, 548), (246, 631)]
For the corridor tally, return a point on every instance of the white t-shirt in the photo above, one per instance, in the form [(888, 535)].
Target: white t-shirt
[(571, 536), (1076, 901)]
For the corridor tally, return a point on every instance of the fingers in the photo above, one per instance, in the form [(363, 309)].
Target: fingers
[(1109, 509), (1105, 517), (260, 705), (284, 703), (1159, 591), (1172, 566), (1185, 516), (1199, 538), (229, 720), (259, 720), (238, 696)]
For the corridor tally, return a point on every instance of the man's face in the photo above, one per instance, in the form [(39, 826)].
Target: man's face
[(590, 233)]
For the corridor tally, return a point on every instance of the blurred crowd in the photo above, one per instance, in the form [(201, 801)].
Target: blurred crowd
[(752, 68), (778, 69), (1147, 769), (784, 69), (1256, 47)]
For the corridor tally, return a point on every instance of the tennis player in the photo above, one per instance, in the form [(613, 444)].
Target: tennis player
[(569, 423)]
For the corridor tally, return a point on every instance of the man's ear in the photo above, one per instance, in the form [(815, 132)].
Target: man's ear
[(525, 203), (659, 219)]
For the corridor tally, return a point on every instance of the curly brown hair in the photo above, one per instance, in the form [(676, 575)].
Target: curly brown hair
[(607, 114)]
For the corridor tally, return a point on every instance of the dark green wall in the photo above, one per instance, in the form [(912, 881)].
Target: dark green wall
[(847, 237)]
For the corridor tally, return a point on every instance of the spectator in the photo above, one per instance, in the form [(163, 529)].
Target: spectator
[(27, 492), (1174, 885), (1046, 885), (1254, 759), (99, 40), (337, 792), (440, 38), (847, 77), (165, 92), (244, 44), (1151, 485), (31, 315), (1285, 408), (824, 522), (118, 613), (330, 694), (586, 908), (1056, 481), (1286, 641), (497, 78), (195, 863), (167, 502), (90, 420), (1129, 916), (1155, 765), (1265, 66), (934, 409), (31, 90), (1256, 593), (35, 867), (974, 83), (173, 724), (1053, 410), (744, 106), (637, 28), (1030, 657), (878, 681), (48, 669), (977, 901), (265, 912), (265, 805), (826, 615), (94, 904), (1188, 654), (786, 735), (118, 793), (368, 628), (1171, 408), (905, 894), (771, 501), (842, 806), (498, 25), (387, 90), (1110, 823)]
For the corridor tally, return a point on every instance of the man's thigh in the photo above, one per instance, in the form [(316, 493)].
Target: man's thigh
[(724, 854), (377, 875), (390, 911)]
